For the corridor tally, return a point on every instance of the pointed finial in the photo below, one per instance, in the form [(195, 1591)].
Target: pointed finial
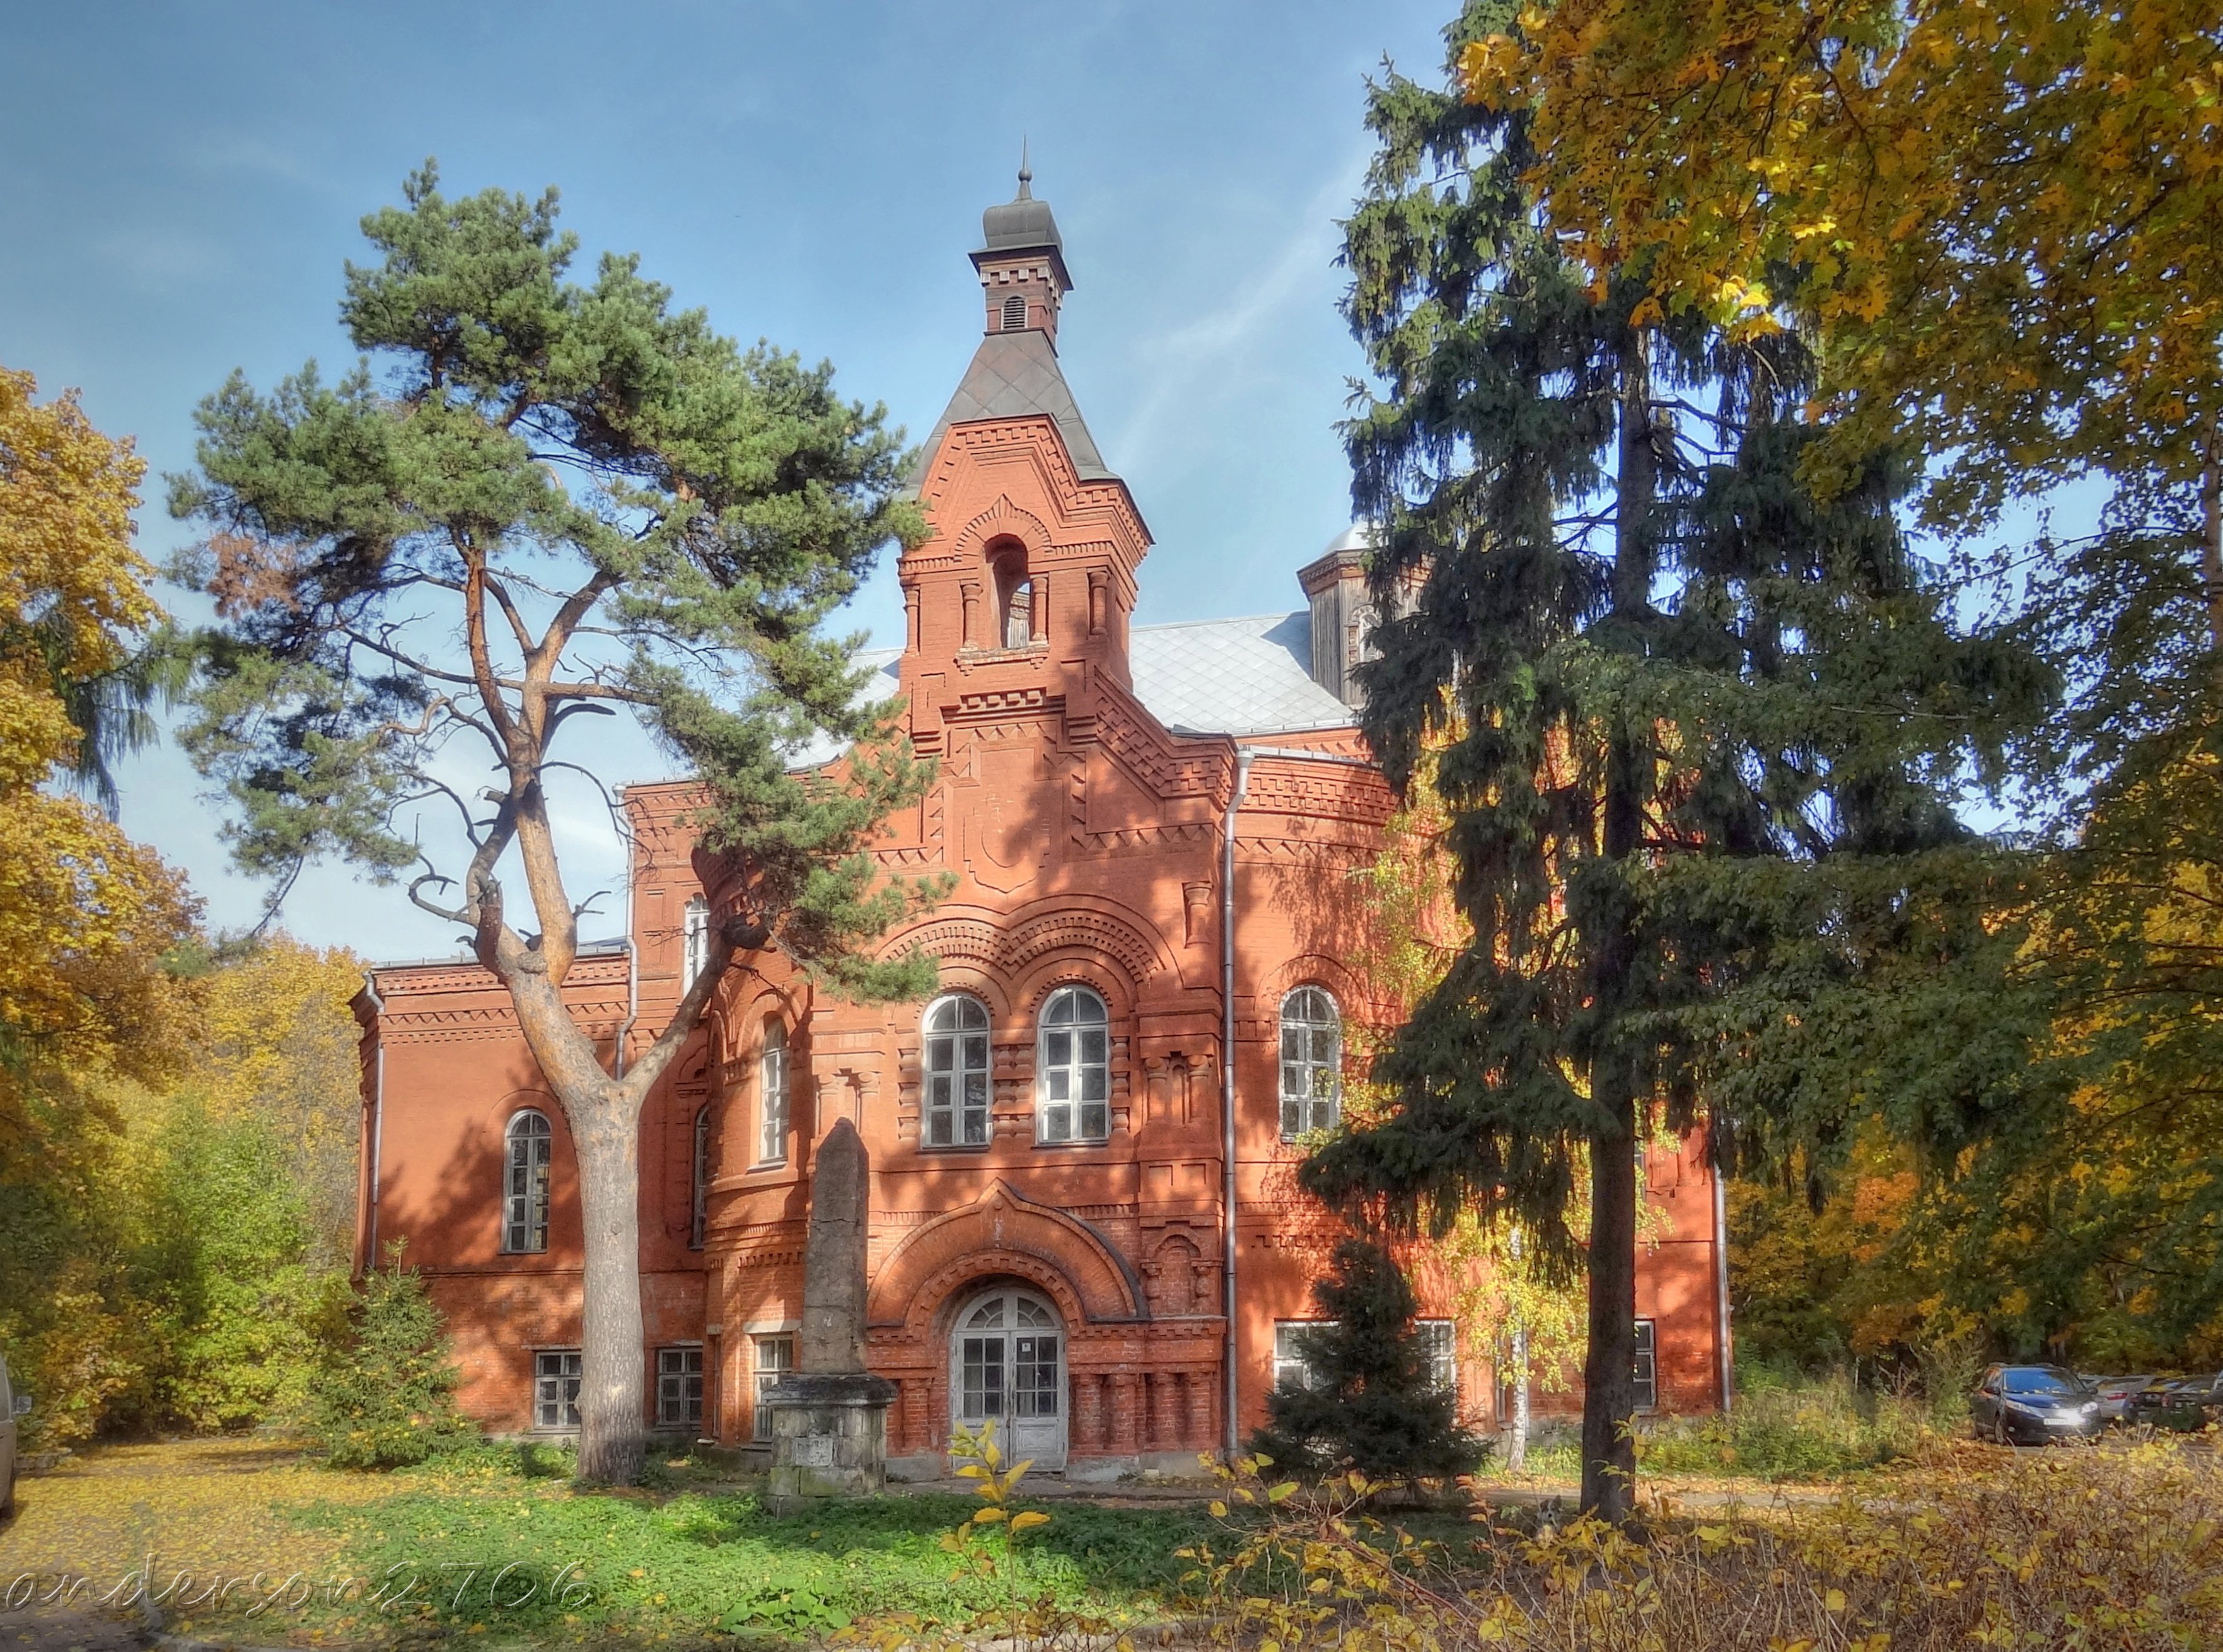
[(1026, 173)]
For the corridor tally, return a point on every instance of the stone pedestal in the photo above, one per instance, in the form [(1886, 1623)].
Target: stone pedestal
[(830, 1438)]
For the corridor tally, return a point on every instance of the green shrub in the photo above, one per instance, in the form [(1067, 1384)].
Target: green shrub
[(388, 1400)]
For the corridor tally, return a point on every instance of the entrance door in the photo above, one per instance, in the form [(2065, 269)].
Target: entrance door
[(1007, 1364)]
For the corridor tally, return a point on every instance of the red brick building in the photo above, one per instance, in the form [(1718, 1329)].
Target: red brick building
[(1151, 829)]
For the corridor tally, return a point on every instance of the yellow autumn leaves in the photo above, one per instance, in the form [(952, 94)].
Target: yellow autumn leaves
[(2001, 220), (85, 914)]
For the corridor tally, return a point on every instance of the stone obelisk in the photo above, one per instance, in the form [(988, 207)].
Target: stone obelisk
[(829, 1420)]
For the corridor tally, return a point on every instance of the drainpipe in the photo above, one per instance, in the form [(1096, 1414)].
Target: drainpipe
[(377, 1115), (633, 994), (633, 975), (1227, 1066), (1721, 1284)]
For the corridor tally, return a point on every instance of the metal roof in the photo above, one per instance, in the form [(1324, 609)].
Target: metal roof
[(1250, 676), (1012, 374)]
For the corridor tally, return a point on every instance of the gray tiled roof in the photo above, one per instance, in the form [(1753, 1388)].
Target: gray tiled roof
[(1233, 676), (1200, 677), (1014, 374)]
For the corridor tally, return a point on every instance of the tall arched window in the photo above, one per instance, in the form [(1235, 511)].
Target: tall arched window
[(957, 1072), (700, 1180), (694, 941), (1073, 1068), (1014, 313), (772, 1115), (1312, 1063), (532, 1147), (1019, 615)]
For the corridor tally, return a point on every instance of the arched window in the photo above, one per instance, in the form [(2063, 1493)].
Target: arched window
[(957, 1072), (700, 1181), (1014, 313), (1015, 594), (772, 1114), (694, 941), (1312, 1063), (1073, 1068), (1019, 615), (531, 1146)]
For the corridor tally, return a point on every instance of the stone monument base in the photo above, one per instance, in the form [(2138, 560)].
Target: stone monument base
[(830, 1438)]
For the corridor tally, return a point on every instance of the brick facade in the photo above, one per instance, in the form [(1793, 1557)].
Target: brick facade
[(1087, 839)]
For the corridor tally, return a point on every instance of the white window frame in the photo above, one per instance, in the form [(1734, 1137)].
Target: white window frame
[(773, 1358), (1074, 1116), (679, 1386), (1303, 1070), (774, 1072), (694, 941), (1440, 1343), (949, 1059), (1644, 1378), (528, 1161), (1291, 1367), (556, 1378)]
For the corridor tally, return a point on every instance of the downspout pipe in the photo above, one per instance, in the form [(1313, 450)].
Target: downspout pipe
[(1227, 1070), (1728, 1360), (377, 1115)]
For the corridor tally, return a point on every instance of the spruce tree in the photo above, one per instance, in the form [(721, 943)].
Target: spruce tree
[(1374, 1405), (1697, 732), (556, 500)]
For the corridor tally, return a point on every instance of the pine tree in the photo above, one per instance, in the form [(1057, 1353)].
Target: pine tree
[(1698, 736), (1374, 1405), (560, 499)]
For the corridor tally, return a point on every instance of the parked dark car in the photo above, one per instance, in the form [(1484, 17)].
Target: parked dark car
[(2183, 1404), (2034, 1405)]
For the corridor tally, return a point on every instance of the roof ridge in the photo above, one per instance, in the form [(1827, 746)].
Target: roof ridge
[(1229, 619)]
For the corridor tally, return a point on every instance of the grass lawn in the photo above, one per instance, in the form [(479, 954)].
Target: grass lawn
[(497, 1547)]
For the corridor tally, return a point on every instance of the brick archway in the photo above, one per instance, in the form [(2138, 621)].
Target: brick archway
[(1003, 1233)]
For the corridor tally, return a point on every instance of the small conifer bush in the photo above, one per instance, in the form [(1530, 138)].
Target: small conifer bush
[(1374, 1405), (388, 1400)]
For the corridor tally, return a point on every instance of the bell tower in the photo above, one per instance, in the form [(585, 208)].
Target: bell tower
[(1026, 584), (1022, 264)]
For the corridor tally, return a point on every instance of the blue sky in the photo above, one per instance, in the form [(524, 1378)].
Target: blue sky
[(179, 185)]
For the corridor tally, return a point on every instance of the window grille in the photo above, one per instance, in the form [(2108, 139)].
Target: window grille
[(524, 1214), (1294, 1367), (1646, 1374), (1312, 1063), (695, 950), (1073, 1068), (1440, 1344), (556, 1374), (1015, 313), (699, 1180), (775, 1359), (772, 1114), (957, 1072), (679, 1388)]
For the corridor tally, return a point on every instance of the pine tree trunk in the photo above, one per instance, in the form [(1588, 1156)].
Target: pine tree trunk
[(604, 1116), (1610, 1369), (613, 1427)]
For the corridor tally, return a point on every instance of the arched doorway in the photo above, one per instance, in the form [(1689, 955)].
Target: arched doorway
[(1007, 1365)]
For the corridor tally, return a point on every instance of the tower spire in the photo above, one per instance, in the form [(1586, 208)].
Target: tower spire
[(1026, 173)]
